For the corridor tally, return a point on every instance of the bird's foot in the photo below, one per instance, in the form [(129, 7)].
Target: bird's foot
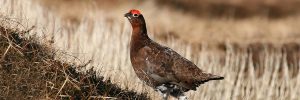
[(182, 97), (163, 91), (162, 88)]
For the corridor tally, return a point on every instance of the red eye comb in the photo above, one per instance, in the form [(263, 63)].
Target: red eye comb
[(134, 11)]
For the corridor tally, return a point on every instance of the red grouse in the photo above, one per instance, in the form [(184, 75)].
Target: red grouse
[(161, 67)]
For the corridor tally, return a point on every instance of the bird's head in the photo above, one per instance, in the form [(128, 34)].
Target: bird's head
[(135, 17)]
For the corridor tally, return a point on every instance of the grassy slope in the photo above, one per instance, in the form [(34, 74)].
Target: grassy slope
[(28, 70)]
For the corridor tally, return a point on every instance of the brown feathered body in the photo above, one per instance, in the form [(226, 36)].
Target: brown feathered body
[(157, 65)]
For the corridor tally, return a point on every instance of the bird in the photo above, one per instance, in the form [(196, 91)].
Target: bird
[(160, 67)]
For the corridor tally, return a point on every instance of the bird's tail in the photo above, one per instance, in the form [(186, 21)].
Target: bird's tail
[(205, 78), (215, 77)]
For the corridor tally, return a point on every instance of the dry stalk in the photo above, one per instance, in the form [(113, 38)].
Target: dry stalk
[(3, 56)]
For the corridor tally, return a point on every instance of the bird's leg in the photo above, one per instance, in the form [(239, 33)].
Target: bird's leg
[(166, 96), (164, 91), (177, 92), (182, 97)]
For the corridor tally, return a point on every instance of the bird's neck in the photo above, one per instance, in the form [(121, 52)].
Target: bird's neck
[(139, 37), (139, 31)]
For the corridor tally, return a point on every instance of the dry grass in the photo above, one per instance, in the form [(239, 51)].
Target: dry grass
[(253, 71), (164, 20), (29, 69), (236, 8)]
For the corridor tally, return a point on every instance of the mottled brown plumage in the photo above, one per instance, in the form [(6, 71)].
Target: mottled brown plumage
[(158, 65)]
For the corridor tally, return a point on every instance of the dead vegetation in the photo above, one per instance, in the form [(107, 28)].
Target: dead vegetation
[(236, 8), (28, 70)]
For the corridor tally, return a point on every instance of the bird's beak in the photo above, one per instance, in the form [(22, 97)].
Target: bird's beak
[(127, 15)]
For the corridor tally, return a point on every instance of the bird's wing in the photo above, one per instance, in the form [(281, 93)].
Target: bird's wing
[(158, 64), (165, 65)]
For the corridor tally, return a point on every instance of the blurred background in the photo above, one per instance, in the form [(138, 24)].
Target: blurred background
[(196, 21)]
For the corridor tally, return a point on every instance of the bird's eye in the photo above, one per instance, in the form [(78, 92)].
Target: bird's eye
[(135, 15)]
